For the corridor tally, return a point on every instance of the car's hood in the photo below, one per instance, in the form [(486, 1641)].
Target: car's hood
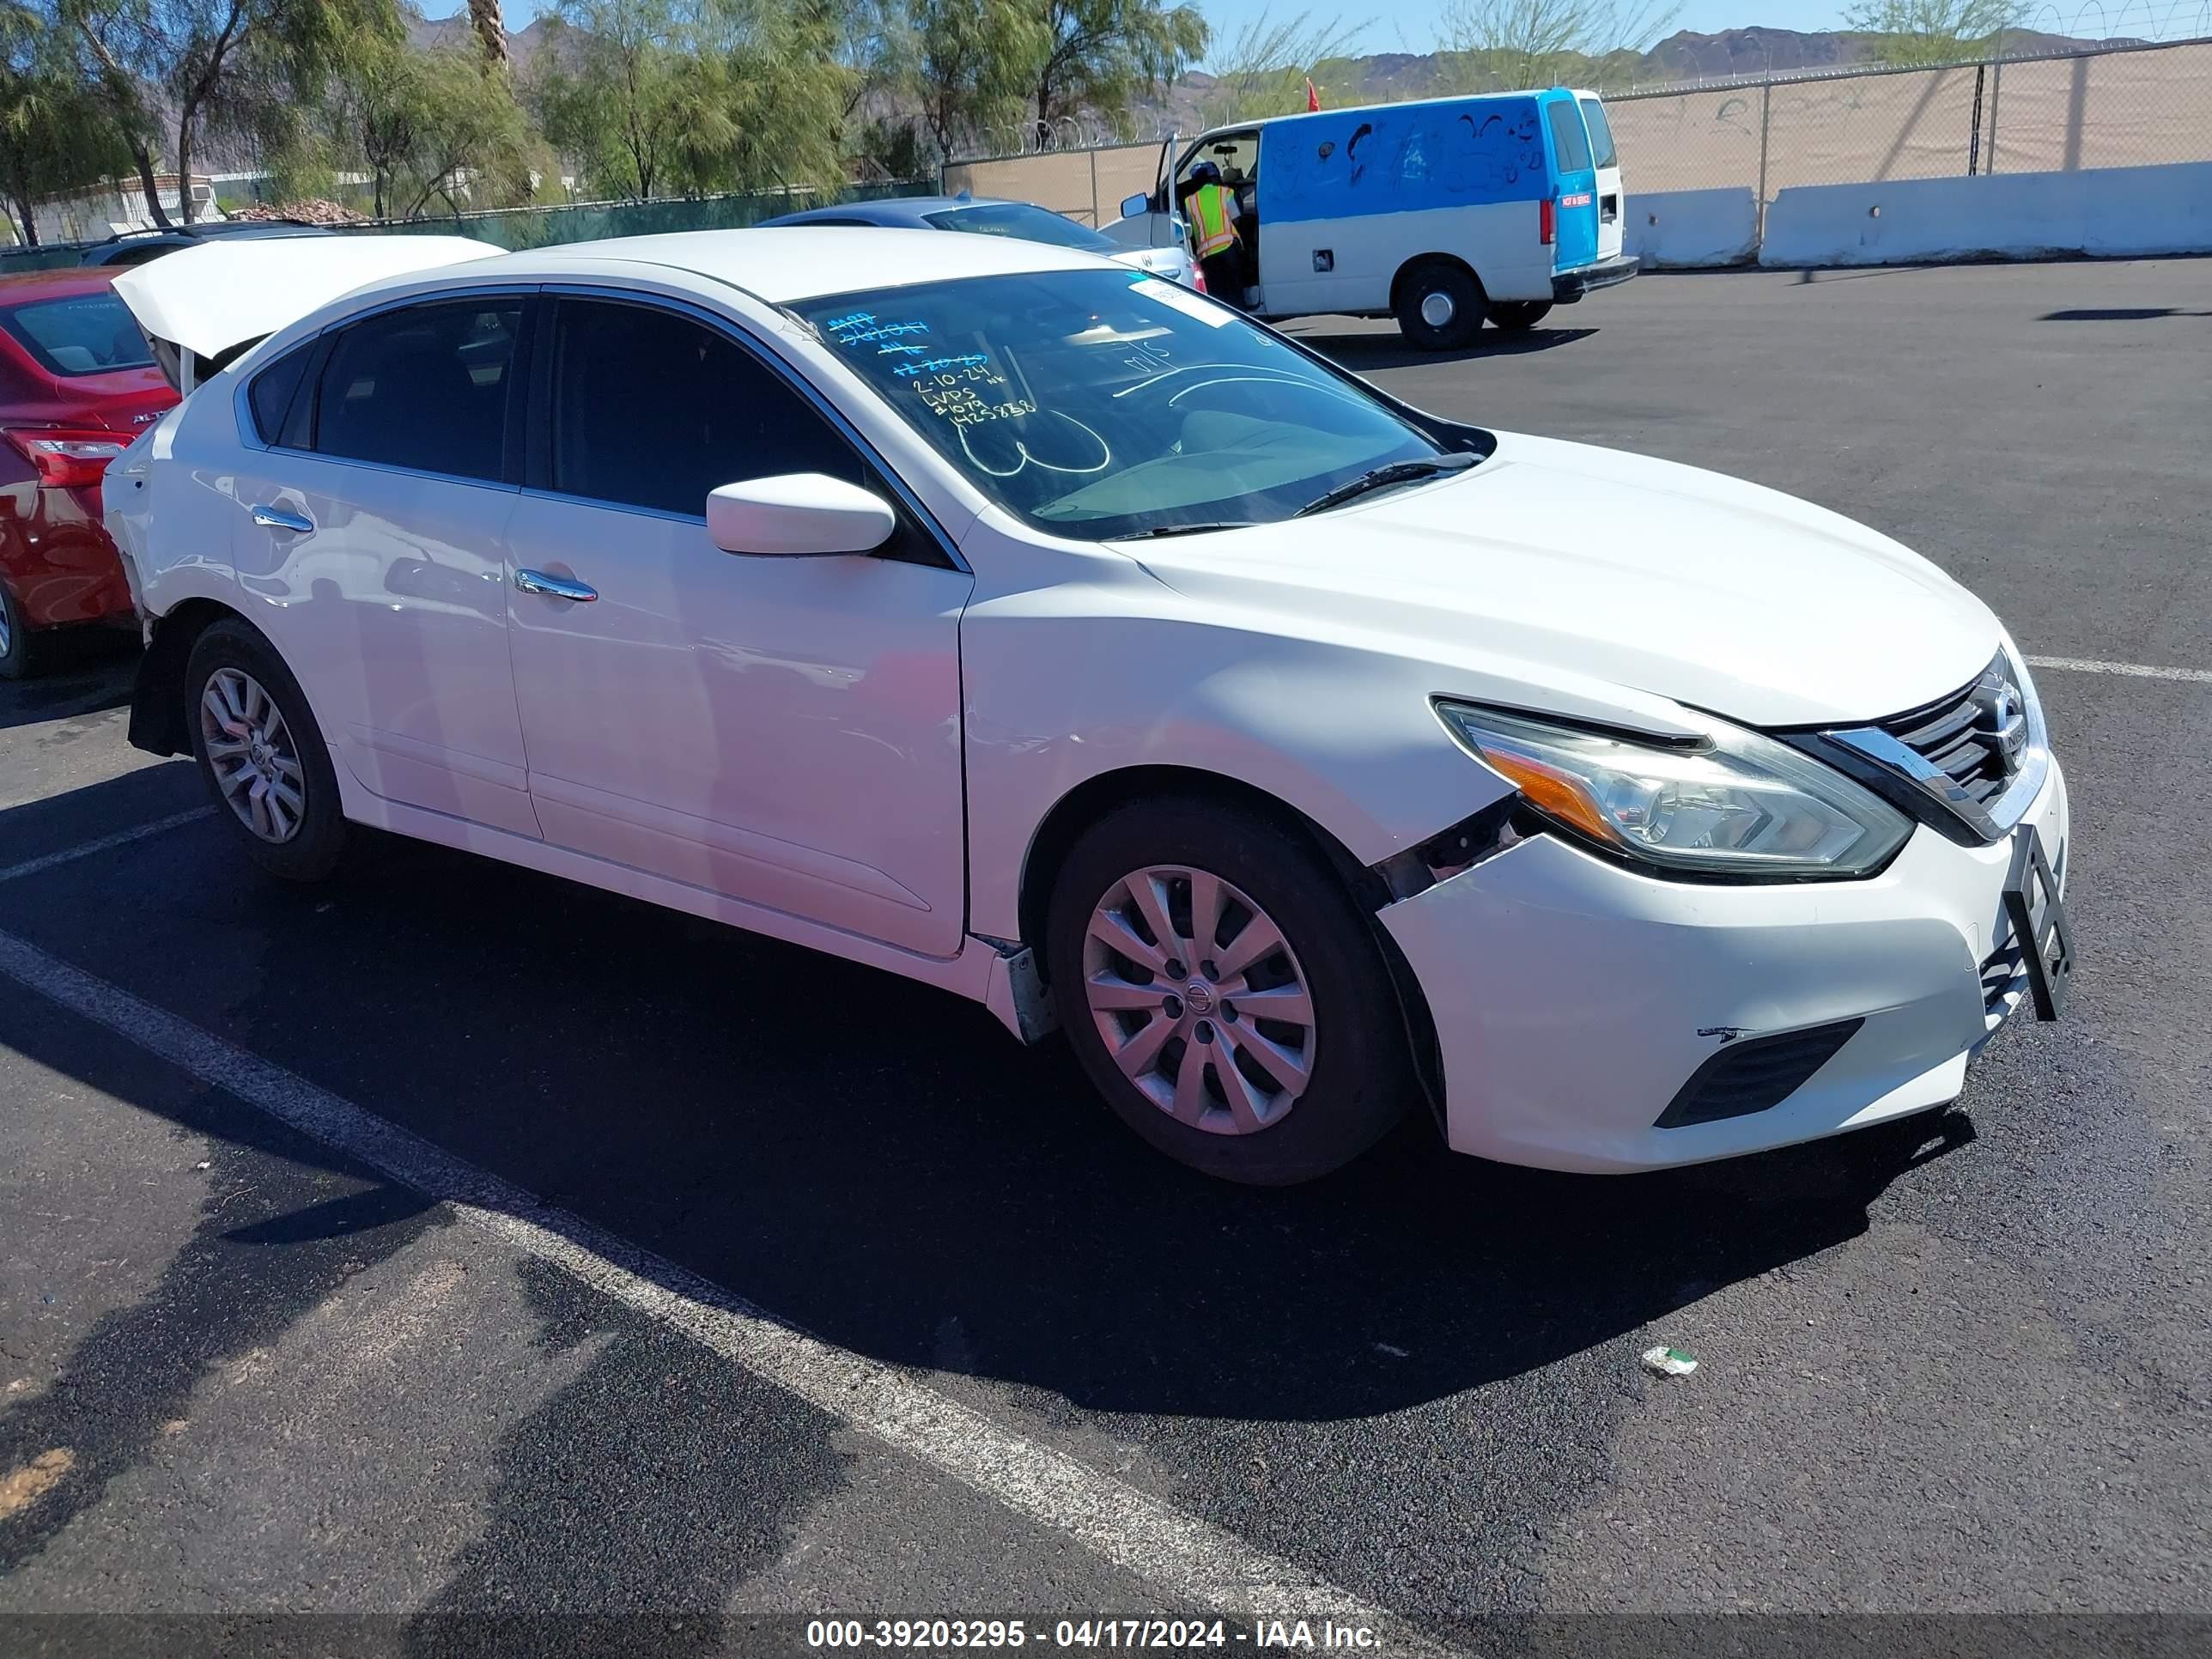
[(1597, 564), (210, 298)]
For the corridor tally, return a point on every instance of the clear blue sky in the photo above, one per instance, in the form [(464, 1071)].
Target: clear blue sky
[(1409, 25)]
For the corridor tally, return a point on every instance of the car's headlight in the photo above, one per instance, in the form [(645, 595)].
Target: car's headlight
[(1732, 803)]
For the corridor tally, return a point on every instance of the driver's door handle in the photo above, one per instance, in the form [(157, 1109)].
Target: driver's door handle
[(281, 517), (554, 587)]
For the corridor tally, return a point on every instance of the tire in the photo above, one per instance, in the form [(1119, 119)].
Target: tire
[(23, 654), (312, 846), (1350, 1042), (1519, 316), (1440, 306)]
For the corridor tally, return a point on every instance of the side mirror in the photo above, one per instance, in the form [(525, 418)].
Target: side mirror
[(1133, 205), (797, 515)]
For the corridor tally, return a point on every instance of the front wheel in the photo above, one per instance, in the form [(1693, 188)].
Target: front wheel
[(1224, 994), (1518, 316), (262, 754), (1439, 306)]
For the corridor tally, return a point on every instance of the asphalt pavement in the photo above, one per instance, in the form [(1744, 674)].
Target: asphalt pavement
[(450, 1249)]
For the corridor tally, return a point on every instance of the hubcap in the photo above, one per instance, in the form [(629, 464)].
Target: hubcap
[(7, 630), (1436, 309), (251, 750), (1200, 999)]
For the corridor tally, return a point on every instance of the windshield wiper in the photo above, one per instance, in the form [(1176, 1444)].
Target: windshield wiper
[(1380, 478), (1159, 529)]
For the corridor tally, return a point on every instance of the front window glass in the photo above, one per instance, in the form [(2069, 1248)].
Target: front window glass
[(1098, 404), (1031, 224), (83, 334)]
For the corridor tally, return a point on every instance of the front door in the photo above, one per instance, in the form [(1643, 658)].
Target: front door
[(783, 730), (378, 520)]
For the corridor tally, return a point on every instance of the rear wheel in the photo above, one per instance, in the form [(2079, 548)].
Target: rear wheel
[(1517, 316), (262, 754), (1439, 306), (1224, 993), (23, 653)]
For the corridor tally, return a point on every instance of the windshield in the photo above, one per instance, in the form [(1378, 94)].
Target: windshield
[(83, 334), (1098, 404), (1031, 224)]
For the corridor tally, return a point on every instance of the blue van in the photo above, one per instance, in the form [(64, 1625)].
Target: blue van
[(1440, 213)]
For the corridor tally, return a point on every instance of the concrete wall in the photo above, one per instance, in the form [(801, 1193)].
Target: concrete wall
[(2118, 212), (1688, 229)]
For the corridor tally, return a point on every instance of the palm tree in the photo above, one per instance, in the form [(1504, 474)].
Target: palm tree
[(490, 25)]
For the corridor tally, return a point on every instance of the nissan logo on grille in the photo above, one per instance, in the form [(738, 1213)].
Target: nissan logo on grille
[(2001, 720)]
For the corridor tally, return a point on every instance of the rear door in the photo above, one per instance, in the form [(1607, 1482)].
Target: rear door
[(1574, 181), (1605, 160), (376, 520)]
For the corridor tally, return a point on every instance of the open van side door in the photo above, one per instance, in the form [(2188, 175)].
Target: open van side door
[(1605, 161), (1150, 221)]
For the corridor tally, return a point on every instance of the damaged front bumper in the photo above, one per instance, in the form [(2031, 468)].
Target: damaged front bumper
[(1576, 1004)]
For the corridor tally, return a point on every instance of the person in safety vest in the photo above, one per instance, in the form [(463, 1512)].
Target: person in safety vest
[(1210, 209)]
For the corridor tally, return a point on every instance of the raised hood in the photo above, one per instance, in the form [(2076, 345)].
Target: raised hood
[(207, 301), (1591, 563)]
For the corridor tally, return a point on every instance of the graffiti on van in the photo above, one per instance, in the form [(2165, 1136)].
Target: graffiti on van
[(1453, 153)]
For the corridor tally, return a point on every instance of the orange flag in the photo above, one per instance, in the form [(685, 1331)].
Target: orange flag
[(1313, 97)]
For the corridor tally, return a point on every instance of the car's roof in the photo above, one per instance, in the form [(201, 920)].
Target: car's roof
[(51, 284), (803, 262), (890, 210)]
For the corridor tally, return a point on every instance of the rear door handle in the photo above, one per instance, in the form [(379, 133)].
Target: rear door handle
[(554, 587), (279, 518)]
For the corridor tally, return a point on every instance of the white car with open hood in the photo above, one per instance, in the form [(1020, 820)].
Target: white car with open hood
[(995, 615)]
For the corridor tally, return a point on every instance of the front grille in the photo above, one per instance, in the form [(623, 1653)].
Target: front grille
[(1749, 1077), (1950, 736)]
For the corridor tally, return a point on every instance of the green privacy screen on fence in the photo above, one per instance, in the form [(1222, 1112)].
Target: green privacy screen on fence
[(516, 228)]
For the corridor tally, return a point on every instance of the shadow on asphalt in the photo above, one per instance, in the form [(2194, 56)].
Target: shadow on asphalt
[(1366, 353), (877, 1162), (2117, 315), (95, 674)]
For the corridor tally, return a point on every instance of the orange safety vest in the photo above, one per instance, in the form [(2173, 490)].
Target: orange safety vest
[(1209, 212)]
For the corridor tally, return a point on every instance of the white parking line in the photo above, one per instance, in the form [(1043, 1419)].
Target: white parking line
[(2133, 671), (121, 838), (1190, 1561)]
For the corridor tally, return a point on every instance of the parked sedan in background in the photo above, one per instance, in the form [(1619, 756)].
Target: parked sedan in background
[(135, 247), (77, 383), (983, 217)]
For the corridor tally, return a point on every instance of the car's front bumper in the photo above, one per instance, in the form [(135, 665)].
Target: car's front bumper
[(1573, 1000), (1569, 286)]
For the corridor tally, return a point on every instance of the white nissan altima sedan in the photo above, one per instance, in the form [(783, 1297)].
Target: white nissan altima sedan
[(997, 615)]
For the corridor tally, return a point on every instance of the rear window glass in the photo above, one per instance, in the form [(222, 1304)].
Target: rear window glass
[(272, 391), (1027, 223), (1567, 135), (1601, 133), (83, 334)]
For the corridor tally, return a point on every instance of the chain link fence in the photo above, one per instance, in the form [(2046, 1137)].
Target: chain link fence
[(1088, 184), (2112, 108)]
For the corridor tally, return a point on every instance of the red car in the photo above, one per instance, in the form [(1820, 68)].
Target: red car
[(77, 383)]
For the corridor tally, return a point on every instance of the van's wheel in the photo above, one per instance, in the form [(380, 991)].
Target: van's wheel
[(1439, 306), (23, 653), (1224, 994), (1518, 316), (262, 754)]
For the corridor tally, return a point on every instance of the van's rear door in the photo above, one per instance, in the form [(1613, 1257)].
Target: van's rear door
[(1574, 183), (1605, 161)]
